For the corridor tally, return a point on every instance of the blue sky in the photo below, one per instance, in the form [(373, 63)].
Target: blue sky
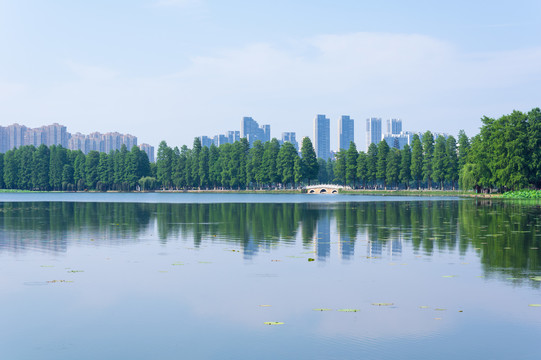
[(176, 69)]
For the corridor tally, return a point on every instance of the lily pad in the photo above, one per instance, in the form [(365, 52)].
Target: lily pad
[(440, 309), (382, 304), (424, 307), (273, 323), (535, 305), (348, 310), (311, 259), (264, 305), (322, 309), (449, 276)]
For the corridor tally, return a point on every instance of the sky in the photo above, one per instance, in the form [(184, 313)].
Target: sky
[(176, 69)]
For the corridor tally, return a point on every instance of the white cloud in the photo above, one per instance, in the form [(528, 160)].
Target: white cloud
[(430, 83)]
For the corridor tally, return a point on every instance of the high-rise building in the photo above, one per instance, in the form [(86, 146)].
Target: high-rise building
[(290, 137), (322, 137), (233, 136), (205, 141), (220, 139), (345, 132), (250, 129), (373, 131), (149, 150), (394, 126)]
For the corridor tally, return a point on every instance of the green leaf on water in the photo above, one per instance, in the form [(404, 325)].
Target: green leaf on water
[(273, 323), (424, 307), (535, 305), (348, 310), (382, 304), (449, 276), (322, 309), (311, 259), (536, 278), (440, 309), (177, 263)]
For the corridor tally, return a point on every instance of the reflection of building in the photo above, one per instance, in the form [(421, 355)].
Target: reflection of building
[(322, 137), (345, 132), (347, 245), (323, 237)]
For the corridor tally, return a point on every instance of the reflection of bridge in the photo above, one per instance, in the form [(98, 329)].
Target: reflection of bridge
[(324, 189)]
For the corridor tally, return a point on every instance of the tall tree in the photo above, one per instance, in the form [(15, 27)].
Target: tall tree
[(163, 165), (11, 169), (362, 173), (439, 161), (405, 166), (91, 168), (392, 170), (381, 167), (452, 162), (428, 153), (322, 175), (204, 168), (340, 167), (534, 147), (463, 149), (286, 163), (309, 160), (351, 164), (372, 163), (417, 160), (214, 165)]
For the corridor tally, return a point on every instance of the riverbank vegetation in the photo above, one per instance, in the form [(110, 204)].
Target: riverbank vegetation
[(505, 155)]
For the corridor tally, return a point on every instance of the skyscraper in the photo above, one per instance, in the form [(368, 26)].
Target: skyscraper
[(290, 137), (345, 132), (394, 126), (322, 137), (250, 129), (373, 131)]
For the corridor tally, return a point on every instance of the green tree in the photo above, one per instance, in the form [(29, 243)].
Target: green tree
[(405, 166), (439, 161), (286, 163), (351, 164), (204, 169), (428, 153), (452, 162), (322, 175), (534, 147), (309, 160), (11, 169), (362, 172), (91, 169), (214, 165), (340, 167), (25, 158), (417, 160), (381, 167), (392, 170), (164, 164), (372, 163), (256, 163), (463, 149)]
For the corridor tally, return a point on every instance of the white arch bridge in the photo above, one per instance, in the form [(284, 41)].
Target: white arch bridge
[(325, 189)]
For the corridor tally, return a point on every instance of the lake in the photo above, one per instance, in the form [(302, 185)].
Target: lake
[(198, 276)]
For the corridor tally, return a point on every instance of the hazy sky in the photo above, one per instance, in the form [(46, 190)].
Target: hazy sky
[(175, 69)]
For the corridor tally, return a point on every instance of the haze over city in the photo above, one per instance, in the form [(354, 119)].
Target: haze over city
[(176, 69)]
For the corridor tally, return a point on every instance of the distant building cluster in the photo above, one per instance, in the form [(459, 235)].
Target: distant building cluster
[(15, 136), (394, 136)]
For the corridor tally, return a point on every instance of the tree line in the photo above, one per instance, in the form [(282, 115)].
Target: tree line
[(60, 169), (506, 154)]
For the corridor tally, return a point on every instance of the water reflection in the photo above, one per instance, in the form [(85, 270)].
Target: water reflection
[(505, 235)]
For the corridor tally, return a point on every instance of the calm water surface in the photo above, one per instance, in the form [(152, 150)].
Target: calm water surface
[(125, 276)]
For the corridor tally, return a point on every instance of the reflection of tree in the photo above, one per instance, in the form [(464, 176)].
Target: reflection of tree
[(507, 235)]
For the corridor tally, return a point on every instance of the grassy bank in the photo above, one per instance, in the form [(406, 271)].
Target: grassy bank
[(521, 194)]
